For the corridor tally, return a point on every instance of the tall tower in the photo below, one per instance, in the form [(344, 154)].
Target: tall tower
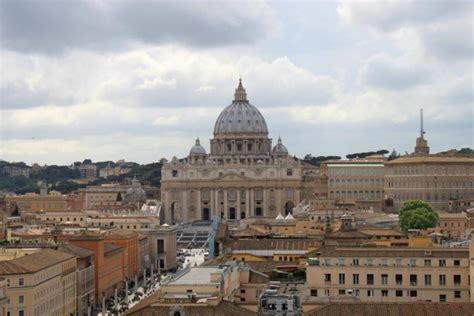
[(421, 147)]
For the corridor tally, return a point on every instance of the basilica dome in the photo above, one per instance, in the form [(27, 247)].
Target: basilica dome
[(197, 149), (279, 148), (240, 117)]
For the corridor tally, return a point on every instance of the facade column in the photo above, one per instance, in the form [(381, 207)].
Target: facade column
[(225, 204), (238, 204), (199, 205), (247, 202), (252, 202)]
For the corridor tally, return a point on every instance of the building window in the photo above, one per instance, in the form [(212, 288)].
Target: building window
[(442, 262), (398, 262), (384, 293), (369, 262), (442, 279), (427, 279), (457, 294), (399, 279), (427, 263), (289, 172), (384, 279), (327, 262), (327, 277), (399, 293), (370, 293), (21, 282), (160, 246), (412, 262), (457, 279), (355, 262), (326, 292), (384, 262), (355, 279), (342, 292), (342, 278), (340, 262), (442, 297), (370, 279), (242, 291), (174, 173), (314, 292), (413, 293), (413, 279), (457, 263), (21, 299)]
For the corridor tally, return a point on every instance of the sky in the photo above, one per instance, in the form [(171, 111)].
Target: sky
[(140, 80)]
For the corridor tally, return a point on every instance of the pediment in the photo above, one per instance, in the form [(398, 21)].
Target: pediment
[(232, 176)]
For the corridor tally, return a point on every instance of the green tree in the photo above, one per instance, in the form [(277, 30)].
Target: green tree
[(416, 214)]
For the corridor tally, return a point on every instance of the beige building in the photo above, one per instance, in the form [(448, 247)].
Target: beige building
[(242, 176), (389, 274), (162, 247), (42, 283), (353, 180), (436, 179), (35, 203), (471, 268)]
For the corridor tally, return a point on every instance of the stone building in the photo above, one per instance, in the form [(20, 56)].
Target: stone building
[(436, 179), (242, 176), (390, 274)]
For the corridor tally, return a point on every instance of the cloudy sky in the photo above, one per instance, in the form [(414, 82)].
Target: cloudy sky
[(139, 80)]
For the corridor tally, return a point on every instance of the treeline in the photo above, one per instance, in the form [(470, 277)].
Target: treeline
[(316, 161), (367, 154)]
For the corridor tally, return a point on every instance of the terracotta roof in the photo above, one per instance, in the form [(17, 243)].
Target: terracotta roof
[(76, 250), (351, 234), (34, 262), (381, 232), (224, 308), (273, 244), (432, 159), (389, 252), (394, 309)]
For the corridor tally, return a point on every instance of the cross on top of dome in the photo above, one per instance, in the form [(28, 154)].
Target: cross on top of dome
[(240, 94)]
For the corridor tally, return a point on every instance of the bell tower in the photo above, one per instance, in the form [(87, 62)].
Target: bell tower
[(421, 147)]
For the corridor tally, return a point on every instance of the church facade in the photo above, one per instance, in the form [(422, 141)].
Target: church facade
[(242, 176)]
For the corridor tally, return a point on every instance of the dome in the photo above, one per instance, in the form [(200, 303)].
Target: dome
[(136, 189), (240, 117), (280, 149), (197, 149)]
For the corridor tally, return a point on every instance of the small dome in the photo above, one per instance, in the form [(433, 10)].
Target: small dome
[(197, 149), (279, 148), (136, 188), (240, 117)]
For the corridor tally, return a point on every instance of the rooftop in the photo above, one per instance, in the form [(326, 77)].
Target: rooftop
[(198, 275), (34, 262), (432, 159), (393, 252)]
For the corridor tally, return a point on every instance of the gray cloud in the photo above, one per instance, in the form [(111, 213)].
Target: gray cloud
[(55, 26), (383, 72)]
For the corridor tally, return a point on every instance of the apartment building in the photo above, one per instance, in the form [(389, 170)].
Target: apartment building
[(41, 283), (383, 274), (128, 241)]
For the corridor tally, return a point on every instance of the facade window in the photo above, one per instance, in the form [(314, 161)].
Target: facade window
[(384, 279), (442, 297), (314, 292), (412, 262), (442, 279), (457, 279), (326, 292), (399, 279), (370, 279), (289, 172), (427, 262), (21, 312), (384, 262), (399, 293), (342, 278), (327, 262), (340, 262), (160, 246), (21, 282), (369, 262), (21, 299), (342, 292), (442, 262), (457, 263), (174, 173), (413, 279), (384, 293), (457, 294), (427, 279), (398, 262), (355, 279), (355, 262), (370, 293), (413, 293), (327, 277)]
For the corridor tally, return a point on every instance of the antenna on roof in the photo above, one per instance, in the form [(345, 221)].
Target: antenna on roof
[(422, 131)]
